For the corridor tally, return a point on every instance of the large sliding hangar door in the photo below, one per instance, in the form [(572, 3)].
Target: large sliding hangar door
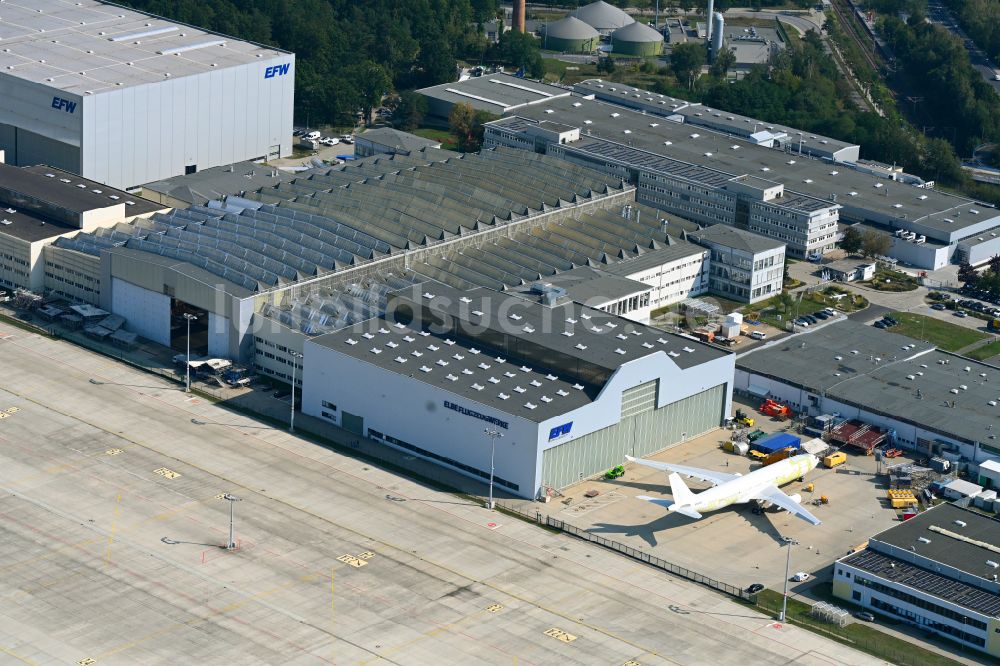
[(643, 430)]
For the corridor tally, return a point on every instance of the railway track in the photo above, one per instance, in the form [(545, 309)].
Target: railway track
[(861, 36)]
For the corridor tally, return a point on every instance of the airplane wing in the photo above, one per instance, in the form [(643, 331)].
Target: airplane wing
[(715, 478), (776, 496)]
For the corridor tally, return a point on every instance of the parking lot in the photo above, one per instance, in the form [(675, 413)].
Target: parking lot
[(734, 545), (115, 521)]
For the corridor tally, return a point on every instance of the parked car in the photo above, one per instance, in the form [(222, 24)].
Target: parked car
[(801, 322), (297, 132), (889, 321), (313, 136), (800, 576), (961, 314), (879, 324), (812, 320), (938, 306), (346, 138), (821, 315), (757, 335), (865, 615), (814, 257), (755, 588), (830, 311)]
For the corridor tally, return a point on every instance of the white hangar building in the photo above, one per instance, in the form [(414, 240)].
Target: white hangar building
[(571, 389), (125, 98)]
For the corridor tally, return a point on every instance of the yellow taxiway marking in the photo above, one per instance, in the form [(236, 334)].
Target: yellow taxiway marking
[(114, 524), (13, 410), (114, 452), (495, 608), (559, 634), (11, 653), (166, 473), (353, 561), (86, 662)]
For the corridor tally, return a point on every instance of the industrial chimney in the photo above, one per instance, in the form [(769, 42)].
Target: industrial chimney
[(718, 24), (708, 21), (517, 20)]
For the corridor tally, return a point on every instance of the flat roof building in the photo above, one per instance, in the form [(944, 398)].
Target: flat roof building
[(665, 159), (494, 93), (929, 401), (937, 570), (41, 204), (123, 97), (571, 389), (389, 141), (744, 266)]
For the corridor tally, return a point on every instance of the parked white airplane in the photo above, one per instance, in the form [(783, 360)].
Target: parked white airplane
[(760, 485)]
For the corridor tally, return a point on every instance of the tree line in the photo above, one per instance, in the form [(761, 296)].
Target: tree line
[(348, 53)]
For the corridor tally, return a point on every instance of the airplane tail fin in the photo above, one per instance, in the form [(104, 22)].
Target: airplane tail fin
[(683, 497), (682, 494)]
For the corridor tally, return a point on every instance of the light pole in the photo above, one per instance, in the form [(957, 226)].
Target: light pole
[(295, 359), (493, 435), (231, 544), (190, 318), (789, 542)]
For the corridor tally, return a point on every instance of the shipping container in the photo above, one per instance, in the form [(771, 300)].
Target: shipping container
[(776, 442)]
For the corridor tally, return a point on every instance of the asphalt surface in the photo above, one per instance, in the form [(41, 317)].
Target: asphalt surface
[(115, 519)]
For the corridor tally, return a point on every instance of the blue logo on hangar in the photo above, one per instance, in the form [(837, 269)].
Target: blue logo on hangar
[(560, 431), (276, 70)]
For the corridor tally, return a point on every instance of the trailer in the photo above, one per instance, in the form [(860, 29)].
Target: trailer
[(858, 434)]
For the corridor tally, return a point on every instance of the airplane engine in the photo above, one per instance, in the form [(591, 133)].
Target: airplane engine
[(796, 498)]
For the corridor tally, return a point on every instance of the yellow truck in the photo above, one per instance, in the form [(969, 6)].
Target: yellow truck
[(834, 459)]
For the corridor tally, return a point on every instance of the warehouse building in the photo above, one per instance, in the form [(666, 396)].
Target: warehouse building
[(929, 401), (569, 35), (198, 188), (493, 93), (759, 132), (602, 17), (572, 390), (124, 98), (937, 571), (637, 39), (38, 206), (710, 178), (389, 141), (805, 224)]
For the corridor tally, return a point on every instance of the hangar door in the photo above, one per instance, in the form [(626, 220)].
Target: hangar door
[(642, 431)]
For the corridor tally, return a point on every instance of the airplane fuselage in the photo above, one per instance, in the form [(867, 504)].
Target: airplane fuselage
[(746, 487)]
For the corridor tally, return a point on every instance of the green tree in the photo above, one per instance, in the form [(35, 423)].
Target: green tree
[(606, 65), (466, 125), (852, 241), (723, 61), (875, 243), (409, 111), (521, 50), (967, 274), (372, 83), (686, 61)]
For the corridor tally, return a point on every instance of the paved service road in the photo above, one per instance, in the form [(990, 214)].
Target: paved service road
[(113, 521), (941, 15)]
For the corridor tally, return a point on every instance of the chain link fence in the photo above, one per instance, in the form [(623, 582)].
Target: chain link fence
[(628, 551)]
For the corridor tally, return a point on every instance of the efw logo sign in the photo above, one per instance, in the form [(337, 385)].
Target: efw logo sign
[(276, 70), (65, 104)]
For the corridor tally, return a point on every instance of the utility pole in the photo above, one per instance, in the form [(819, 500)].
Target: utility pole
[(493, 435), (295, 359), (231, 544), (190, 318), (789, 542)]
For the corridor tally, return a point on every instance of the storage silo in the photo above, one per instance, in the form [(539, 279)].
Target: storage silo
[(570, 35), (637, 39), (603, 17), (718, 34)]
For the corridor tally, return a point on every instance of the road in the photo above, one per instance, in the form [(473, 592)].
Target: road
[(114, 520), (941, 15)]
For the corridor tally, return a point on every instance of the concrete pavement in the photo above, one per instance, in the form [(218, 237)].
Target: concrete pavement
[(113, 521)]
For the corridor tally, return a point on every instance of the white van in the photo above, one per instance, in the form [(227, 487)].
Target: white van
[(312, 136), (757, 335)]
